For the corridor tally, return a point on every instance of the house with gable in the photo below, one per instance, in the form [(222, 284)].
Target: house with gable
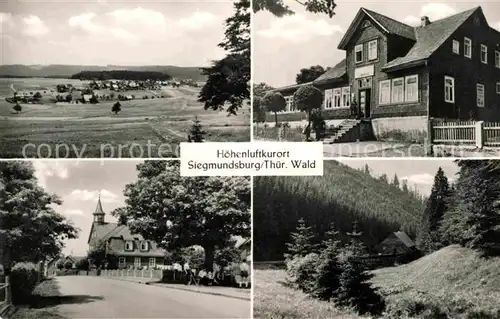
[(399, 76), (132, 250)]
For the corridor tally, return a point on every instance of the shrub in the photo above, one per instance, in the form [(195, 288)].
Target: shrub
[(68, 264), (23, 279), (301, 270), (273, 102), (59, 264)]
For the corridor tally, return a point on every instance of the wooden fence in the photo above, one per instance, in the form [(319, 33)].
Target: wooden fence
[(138, 273), (469, 133), (5, 293)]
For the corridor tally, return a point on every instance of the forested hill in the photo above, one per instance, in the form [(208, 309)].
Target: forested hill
[(121, 75), (66, 71), (343, 195)]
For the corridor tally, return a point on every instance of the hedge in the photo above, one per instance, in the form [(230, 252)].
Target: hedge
[(23, 280)]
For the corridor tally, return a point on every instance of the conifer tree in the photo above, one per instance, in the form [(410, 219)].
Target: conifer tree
[(196, 133), (355, 291), (356, 247), (367, 169), (301, 241), (384, 178), (429, 238), (405, 188), (395, 181), (326, 278)]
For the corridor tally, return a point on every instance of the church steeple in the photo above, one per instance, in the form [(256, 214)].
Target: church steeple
[(99, 213)]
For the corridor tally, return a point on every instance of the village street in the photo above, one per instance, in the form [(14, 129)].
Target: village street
[(98, 297)]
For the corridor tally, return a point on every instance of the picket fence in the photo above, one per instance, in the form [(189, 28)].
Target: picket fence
[(470, 133)]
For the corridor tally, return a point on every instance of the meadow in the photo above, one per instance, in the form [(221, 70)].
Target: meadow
[(92, 130)]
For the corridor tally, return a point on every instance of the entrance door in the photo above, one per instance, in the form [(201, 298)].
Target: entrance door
[(364, 102)]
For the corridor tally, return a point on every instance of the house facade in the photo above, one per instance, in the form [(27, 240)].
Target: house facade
[(399, 76), (131, 250)]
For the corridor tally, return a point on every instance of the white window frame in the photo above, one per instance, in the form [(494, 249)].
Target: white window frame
[(456, 47), (497, 59), (480, 102), (127, 243), (137, 264), (358, 48), (393, 100), (452, 99), (142, 245), (498, 88), (467, 45), (484, 49), (337, 97), (328, 103), (375, 56), (289, 104), (121, 262), (152, 262), (414, 99), (346, 96), (380, 100)]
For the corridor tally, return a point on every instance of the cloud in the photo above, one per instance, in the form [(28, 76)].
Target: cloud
[(33, 26), (85, 22), (72, 212), (139, 16), (299, 28), (86, 195), (123, 34), (421, 179), (435, 11), (197, 20), (52, 168)]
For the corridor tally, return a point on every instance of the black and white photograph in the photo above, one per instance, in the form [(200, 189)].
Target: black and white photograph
[(122, 239), (379, 239), (379, 79), (122, 79)]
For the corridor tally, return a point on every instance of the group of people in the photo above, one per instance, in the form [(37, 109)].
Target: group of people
[(204, 277)]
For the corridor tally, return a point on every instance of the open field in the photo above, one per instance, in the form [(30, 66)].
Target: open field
[(92, 130)]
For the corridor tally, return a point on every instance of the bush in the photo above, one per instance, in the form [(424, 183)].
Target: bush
[(23, 279), (68, 264), (301, 271)]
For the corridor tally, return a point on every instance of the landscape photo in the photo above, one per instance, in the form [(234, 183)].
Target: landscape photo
[(376, 238), (118, 79), (77, 241)]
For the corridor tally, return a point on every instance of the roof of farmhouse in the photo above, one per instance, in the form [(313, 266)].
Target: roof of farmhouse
[(427, 39)]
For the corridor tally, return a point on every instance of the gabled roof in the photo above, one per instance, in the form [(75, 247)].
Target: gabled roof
[(430, 38), (101, 230), (333, 74), (405, 239), (386, 24)]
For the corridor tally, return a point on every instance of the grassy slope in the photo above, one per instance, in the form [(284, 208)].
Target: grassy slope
[(273, 300), (342, 195), (452, 277)]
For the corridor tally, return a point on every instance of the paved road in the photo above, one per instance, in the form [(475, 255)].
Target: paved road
[(97, 297)]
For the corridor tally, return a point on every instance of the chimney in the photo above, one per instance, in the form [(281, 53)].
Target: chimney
[(425, 21)]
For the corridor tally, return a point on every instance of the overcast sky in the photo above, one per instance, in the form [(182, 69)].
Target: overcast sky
[(78, 183), (282, 46), (418, 173), (101, 32)]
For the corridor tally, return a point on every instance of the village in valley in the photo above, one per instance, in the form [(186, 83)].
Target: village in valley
[(379, 239), (99, 253)]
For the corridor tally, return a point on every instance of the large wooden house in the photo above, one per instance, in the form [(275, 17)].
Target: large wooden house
[(132, 250), (399, 76)]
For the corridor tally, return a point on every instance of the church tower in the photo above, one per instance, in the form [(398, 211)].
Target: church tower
[(99, 213)]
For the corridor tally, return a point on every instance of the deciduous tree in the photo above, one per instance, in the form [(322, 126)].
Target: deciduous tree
[(309, 74), (280, 9), (178, 211), (308, 98), (31, 229), (274, 102)]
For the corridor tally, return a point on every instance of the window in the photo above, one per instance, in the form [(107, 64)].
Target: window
[(137, 262), (346, 96), (367, 24), (337, 93), (129, 245), (484, 54), (152, 262), (385, 92), (365, 82), (289, 104), (467, 47), (456, 47), (358, 52), (372, 50), (398, 90), (411, 85), (498, 87), (121, 262), (497, 59), (144, 245), (328, 99), (449, 89), (480, 95)]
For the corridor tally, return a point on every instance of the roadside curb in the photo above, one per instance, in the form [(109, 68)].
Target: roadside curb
[(201, 292)]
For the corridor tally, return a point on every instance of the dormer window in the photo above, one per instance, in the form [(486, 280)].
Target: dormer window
[(129, 245), (144, 245), (366, 24), (358, 52)]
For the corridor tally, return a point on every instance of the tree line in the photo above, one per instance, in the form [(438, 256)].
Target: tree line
[(122, 75)]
